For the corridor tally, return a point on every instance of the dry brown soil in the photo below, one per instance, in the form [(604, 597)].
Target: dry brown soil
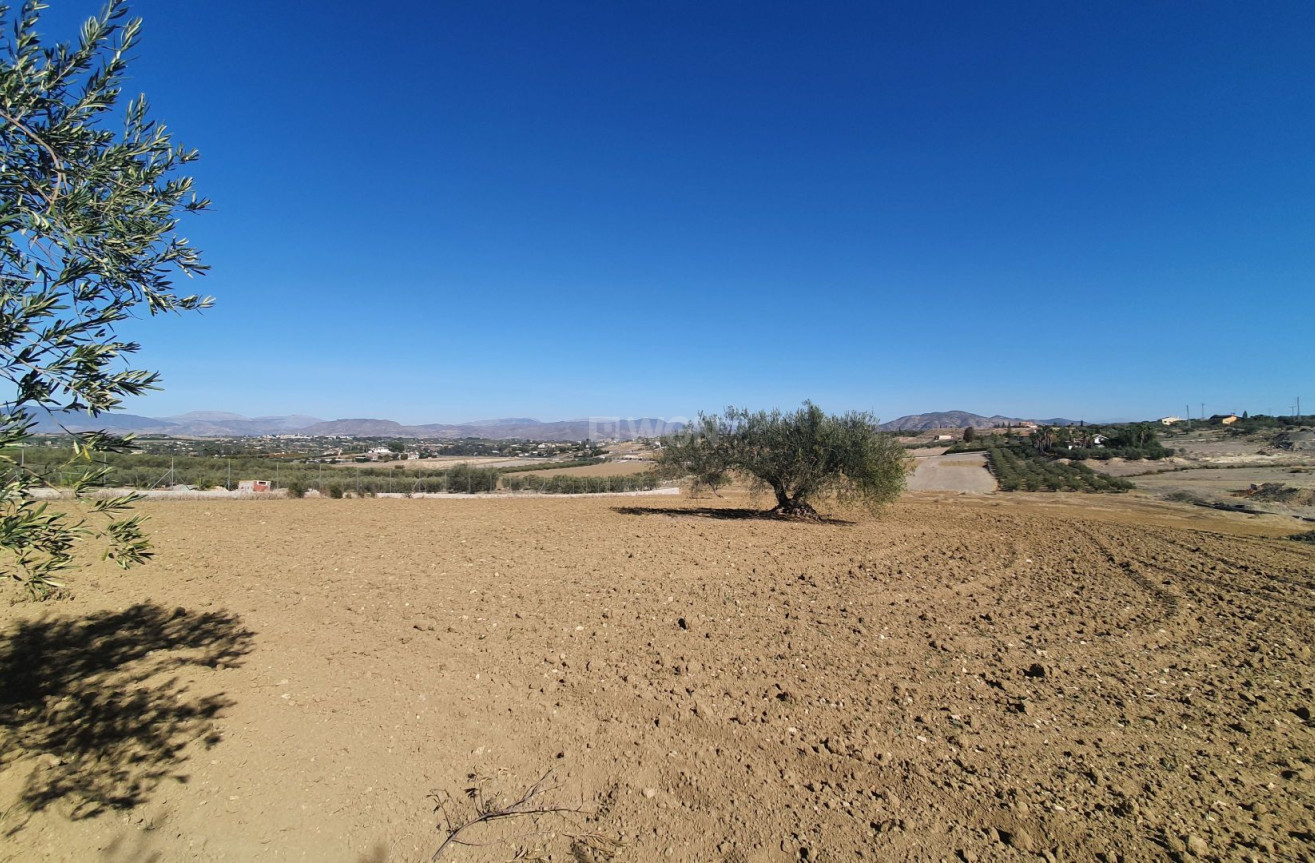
[(923, 452), (965, 472), (988, 678), (1230, 486)]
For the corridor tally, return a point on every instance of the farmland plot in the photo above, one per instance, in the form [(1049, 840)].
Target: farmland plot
[(992, 678)]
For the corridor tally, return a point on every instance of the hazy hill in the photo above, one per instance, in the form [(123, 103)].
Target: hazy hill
[(944, 420), (357, 428), (48, 423), (499, 429), (224, 424), (288, 423), (958, 420), (192, 424), (206, 417)]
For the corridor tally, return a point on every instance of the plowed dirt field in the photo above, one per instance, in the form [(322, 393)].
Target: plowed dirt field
[(990, 678)]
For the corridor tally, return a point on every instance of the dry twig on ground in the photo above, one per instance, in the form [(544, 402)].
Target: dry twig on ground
[(531, 804)]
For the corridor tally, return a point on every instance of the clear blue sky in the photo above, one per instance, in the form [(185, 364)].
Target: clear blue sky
[(442, 211)]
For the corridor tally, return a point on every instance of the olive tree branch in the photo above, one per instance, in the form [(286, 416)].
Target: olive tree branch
[(58, 163)]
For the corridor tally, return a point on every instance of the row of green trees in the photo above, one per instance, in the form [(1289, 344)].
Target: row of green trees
[(583, 484), (142, 470), (1131, 441), (556, 465), (1261, 422), (477, 481), (1021, 468), (459, 480), (464, 479), (148, 471), (1079, 443)]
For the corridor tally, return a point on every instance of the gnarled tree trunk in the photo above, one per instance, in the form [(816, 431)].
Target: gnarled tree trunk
[(792, 507)]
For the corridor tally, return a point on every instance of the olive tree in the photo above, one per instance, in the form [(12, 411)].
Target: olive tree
[(800, 457), (90, 199)]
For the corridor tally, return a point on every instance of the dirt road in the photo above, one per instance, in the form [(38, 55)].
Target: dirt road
[(965, 472)]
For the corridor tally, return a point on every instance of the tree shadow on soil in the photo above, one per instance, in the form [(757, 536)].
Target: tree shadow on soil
[(96, 703), (725, 513)]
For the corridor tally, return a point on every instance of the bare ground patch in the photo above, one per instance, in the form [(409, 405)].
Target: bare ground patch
[(991, 677), (964, 472)]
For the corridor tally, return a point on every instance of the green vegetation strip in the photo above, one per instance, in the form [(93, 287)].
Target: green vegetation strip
[(145, 471), (1019, 468), (552, 465)]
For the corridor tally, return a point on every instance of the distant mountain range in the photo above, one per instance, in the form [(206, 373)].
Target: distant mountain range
[(962, 420), (221, 424)]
